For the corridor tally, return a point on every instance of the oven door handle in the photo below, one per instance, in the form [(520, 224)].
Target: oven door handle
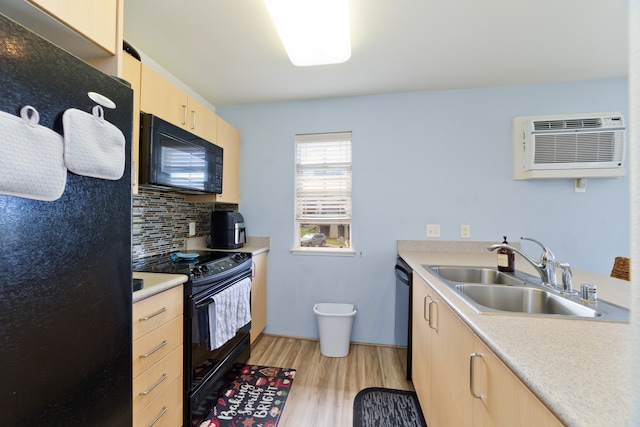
[(205, 300), (203, 303)]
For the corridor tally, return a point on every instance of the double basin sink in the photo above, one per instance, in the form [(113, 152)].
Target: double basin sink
[(489, 290)]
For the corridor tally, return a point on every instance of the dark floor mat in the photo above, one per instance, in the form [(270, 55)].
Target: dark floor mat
[(385, 407)]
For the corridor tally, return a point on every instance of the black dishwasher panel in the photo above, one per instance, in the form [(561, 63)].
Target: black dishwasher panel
[(403, 275)]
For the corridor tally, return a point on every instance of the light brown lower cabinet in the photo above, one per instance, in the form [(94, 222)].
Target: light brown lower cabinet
[(157, 360), (258, 295), (422, 343), (458, 379), (502, 400), (165, 411)]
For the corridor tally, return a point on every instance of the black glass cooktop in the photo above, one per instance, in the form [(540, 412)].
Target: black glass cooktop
[(206, 266)]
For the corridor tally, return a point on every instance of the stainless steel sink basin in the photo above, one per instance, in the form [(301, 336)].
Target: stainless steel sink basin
[(522, 299), (489, 290), (488, 276)]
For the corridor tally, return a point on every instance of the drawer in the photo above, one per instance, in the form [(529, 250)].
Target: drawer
[(155, 345), (165, 411), (152, 312), (155, 380)]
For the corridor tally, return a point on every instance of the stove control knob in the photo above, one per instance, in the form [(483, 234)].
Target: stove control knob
[(196, 271), (204, 269)]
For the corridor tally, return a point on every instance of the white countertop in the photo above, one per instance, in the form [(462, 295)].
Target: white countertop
[(580, 369), (154, 283)]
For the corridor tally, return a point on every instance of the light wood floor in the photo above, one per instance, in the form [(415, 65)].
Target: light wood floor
[(324, 387)]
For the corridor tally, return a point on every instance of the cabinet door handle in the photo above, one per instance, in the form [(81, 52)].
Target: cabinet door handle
[(193, 116), (162, 344), (471, 376), (430, 324), (155, 420), (151, 316), (184, 115), (157, 383), (424, 308)]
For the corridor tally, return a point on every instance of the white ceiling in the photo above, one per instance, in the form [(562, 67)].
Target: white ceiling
[(229, 53)]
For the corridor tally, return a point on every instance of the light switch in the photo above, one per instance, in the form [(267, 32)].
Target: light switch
[(192, 229)]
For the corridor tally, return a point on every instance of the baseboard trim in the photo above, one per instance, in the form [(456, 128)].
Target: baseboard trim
[(317, 339)]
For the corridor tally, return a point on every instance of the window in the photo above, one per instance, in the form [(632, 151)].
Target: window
[(323, 192)]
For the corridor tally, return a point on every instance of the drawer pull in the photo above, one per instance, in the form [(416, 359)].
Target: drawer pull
[(151, 316), (164, 410), (164, 377), (162, 344)]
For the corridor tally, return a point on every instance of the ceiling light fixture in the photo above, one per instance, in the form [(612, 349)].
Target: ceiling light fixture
[(313, 32)]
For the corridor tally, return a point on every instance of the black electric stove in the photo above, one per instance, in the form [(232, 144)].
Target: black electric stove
[(205, 268)]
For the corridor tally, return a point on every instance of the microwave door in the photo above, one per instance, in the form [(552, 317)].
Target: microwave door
[(181, 164), (177, 160)]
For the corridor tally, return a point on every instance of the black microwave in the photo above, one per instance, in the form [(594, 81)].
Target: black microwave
[(172, 158)]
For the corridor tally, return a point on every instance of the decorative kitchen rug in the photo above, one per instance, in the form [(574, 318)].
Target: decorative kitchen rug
[(254, 399), (378, 407)]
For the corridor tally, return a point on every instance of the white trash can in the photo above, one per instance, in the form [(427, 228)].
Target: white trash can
[(334, 327)]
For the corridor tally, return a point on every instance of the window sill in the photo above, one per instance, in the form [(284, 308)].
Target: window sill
[(323, 251)]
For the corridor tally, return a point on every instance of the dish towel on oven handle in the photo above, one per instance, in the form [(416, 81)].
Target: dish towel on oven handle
[(230, 310)]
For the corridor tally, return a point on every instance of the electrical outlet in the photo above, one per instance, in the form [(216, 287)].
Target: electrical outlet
[(580, 185), (192, 229), (465, 231), (433, 230)]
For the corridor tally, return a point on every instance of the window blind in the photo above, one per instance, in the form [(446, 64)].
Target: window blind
[(323, 178)]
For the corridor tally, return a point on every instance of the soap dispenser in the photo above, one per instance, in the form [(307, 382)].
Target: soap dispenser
[(506, 258)]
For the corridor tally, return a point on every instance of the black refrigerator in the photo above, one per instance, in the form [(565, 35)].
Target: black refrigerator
[(65, 265)]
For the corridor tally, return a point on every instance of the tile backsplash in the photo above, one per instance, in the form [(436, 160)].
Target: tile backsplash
[(161, 222)]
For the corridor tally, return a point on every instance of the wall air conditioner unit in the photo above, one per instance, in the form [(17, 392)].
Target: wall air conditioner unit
[(589, 145)]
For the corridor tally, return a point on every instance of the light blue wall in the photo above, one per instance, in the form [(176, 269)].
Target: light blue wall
[(440, 157)]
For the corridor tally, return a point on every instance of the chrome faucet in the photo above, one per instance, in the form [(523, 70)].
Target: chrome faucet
[(545, 266)]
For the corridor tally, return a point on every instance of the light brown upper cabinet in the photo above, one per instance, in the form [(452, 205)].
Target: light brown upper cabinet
[(229, 140), (131, 73), (96, 20), (202, 121), (90, 30), (160, 97)]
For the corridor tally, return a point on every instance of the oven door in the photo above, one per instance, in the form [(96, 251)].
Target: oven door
[(200, 400), (205, 369)]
